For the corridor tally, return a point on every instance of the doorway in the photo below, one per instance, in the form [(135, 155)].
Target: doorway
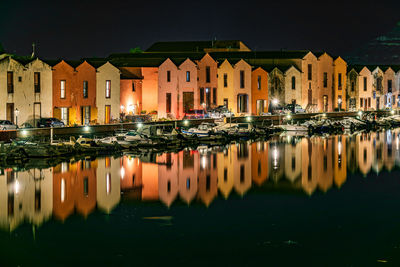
[(107, 114), (260, 106), (85, 115), (37, 112), (10, 112), (325, 103), (188, 101), (378, 103), (208, 97)]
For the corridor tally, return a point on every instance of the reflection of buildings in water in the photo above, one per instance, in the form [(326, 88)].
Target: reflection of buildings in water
[(25, 196), (131, 176), (389, 149), (309, 158), (168, 178), (242, 168), (352, 153), (208, 178), (74, 187), (377, 155), (292, 153), (259, 162), (110, 174), (365, 151), (225, 162), (340, 166), (396, 143), (187, 174), (324, 162)]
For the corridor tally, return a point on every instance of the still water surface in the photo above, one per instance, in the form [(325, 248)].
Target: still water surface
[(319, 201)]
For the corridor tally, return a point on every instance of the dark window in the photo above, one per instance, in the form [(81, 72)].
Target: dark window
[(309, 72), (340, 81), (187, 183), (208, 183), (214, 96), (361, 102), (168, 75), (133, 87), (169, 186), (10, 206), (36, 81), (352, 86), (259, 168), (201, 95), (369, 102), (168, 104), (241, 79), (188, 76), (365, 83), (293, 163), (38, 200), (325, 80), (225, 80), (241, 173), (293, 83), (325, 163), (225, 174), (389, 86), (85, 89), (10, 82), (259, 82), (208, 74), (86, 186)]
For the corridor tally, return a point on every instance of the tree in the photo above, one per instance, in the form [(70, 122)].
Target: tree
[(135, 50)]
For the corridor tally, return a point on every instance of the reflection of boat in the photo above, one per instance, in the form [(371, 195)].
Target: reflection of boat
[(293, 127), (204, 129)]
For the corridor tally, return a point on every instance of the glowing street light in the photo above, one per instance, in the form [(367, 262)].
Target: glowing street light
[(186, 122), (139, 125), (275, 102), (359, 114), (248, 119), (339, 103)]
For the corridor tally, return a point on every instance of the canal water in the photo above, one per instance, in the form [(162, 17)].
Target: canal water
[(291, 200)]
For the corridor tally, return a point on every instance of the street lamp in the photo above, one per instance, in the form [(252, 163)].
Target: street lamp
[(16, 116)]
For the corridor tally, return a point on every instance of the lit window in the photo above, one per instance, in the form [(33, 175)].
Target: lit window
[(62, 93), (188, 76), (108, 89), (85, 89)]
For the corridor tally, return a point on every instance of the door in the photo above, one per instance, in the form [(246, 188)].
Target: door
[(107, 114), (188, 101), (65, 116), (37, 112), (226, 102), (10, 112), (325, 103), (260, 107)]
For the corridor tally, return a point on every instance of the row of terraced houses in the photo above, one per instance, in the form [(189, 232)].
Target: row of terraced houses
[(171, 78)]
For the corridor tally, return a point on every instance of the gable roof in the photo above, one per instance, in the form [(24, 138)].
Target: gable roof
[(194, 46)]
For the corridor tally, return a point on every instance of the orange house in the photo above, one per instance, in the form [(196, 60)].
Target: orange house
[(259, 91), (131, 90), (74, 92)]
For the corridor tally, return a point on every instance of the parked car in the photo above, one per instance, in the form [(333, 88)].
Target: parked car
[(196, 114), (295, 108), (49, 122), (220, 112), (7, 125)]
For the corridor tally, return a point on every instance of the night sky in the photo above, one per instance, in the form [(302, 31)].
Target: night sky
[(76, 29)]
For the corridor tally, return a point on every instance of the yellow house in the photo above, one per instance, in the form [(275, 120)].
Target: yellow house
[(339, 84), (225, 85)]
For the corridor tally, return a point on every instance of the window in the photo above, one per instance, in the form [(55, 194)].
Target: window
[(293, 83), (325, 79), (214, 96), (259, 82), (36, 81), (309, 72), (168, 76), (242, 103), (369, 102), (242, 174), (168, 105), (201, 96), (85, 89), (225, 80), (226, 102), (108, 89), (361, 102), (62, 86), (10, 82), (242, 79), (365, 83), (340, 81), (389, 86), (133, 87), (188, 76), (352, 86), (208, 74)]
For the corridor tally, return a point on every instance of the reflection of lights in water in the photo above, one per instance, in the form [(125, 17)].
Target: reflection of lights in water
[(275, 156), (17, 187), (122, 173), (397, 143), (389, 137), (289, 138), (339, 147), (203, 162), (259, 146), (64, 167), (62, 190), (108, 183)]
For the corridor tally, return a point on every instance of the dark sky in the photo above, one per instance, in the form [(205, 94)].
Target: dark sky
[(82, 28)]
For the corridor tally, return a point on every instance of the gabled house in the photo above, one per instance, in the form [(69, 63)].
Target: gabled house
[(292, 77), (325, 82), (259, 91), (339, 84)]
